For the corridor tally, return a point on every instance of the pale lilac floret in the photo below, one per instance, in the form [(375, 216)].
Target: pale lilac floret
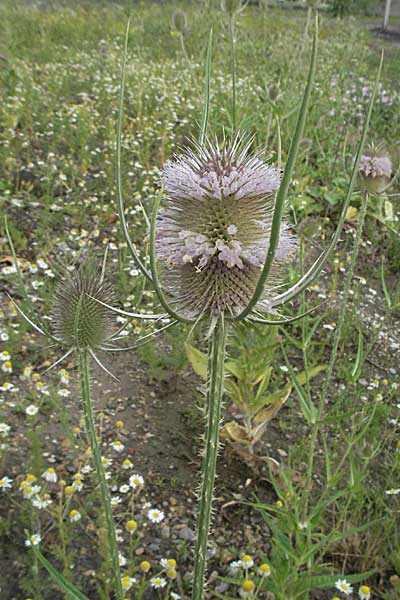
[(213, 235), (375, 166)]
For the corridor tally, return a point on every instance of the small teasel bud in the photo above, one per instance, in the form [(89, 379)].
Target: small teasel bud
[(179, 21), (375, 169), (78, 319), (231, 6)]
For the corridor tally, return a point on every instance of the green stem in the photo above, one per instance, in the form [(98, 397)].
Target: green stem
[(101, 477), (233, 68), (215, 392), (336, 341)]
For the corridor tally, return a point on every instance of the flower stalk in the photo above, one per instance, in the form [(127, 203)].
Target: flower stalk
[(215, 391), (84, 374)]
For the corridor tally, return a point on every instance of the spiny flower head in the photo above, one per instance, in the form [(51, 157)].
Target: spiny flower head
[(375, 169), (179, 21), (79, 320), (213, 236)]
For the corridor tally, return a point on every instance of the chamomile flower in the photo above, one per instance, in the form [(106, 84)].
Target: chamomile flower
[(264, 570), (168, 563), (64, 393), (118, 446), (5, 483), (364, 592), (34, 540), (127, 464), (145, 566), (122, 560), (6, 367), (115, 500), (247, 588), (127, 582), (247, 561), (4, 429), (50, 475), (41, 503), (235, 566), (31, 410), (124, 489), (158, 582), (392, 492), (136, 481), (4, 356), (343, 586), (155, 515), (75, 516), (131, 525)]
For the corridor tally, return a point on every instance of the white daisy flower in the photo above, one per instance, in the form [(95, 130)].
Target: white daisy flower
[(392, 492), (5, 483), (127, 582), (122, 560), (124, 489), (158, 582), (247, 561), (364, 592), (34, 540), (136, 481), (4, 428), (343, 586), (50, 475), (118, 446), (75, 515), (155, 516)]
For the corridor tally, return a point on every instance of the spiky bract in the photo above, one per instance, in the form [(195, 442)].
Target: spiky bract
[(79, 321), (213, 236)]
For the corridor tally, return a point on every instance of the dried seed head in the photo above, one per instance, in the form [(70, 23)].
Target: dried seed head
[(375, 169), (213, 236), (231, 6), (79, 321), (179, 21)]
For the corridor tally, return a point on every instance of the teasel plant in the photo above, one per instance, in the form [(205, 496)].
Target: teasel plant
[(222, 245), (81, 324)]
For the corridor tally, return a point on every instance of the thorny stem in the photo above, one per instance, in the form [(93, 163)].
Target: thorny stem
[(215, 392), (336, 341), (101, 478)]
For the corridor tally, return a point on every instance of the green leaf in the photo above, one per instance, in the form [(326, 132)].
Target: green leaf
[(198, 360), (308, 583), (357, 368), (65, 585), (274, 403)]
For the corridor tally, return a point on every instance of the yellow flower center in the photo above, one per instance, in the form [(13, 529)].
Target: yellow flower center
[(248, 585)]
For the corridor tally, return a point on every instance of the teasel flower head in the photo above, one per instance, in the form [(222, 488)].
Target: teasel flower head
[(79, 319), (212, 238), (375, 169), (179, 21)]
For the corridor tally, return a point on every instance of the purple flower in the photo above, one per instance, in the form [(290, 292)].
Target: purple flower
[(375, 169), (213, 236)]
